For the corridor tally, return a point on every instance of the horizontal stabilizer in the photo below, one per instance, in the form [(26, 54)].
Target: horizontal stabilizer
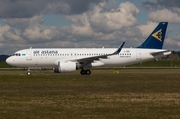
[(161, 53)]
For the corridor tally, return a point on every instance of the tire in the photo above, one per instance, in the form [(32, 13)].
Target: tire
[(88, 72), (83, 72), (28, 73)]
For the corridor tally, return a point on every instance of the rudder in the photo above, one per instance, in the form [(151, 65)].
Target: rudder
[(156, 38)]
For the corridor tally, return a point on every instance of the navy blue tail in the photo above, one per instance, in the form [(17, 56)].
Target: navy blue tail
[(156, 38)]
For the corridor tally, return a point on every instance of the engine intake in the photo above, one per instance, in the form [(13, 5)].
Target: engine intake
[(65, 67)]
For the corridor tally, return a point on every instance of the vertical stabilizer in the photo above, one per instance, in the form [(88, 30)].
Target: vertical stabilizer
[(156, 38)]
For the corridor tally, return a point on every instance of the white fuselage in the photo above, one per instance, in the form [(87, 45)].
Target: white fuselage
[(49, 57)]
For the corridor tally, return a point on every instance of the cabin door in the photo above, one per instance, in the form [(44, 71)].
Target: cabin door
[(28, 54), (138, 55)]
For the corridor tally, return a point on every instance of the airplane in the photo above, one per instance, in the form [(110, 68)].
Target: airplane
[(71, 59)]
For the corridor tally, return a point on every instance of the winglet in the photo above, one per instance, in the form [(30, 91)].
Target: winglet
[(119, 49)]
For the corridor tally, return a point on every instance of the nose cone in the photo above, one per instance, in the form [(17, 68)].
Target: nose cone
[(9, 61)]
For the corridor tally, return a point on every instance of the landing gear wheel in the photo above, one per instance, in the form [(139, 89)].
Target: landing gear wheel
[(88, 72), (83, 72), (28, 72)]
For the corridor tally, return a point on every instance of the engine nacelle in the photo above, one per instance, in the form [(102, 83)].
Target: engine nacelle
[(65, 67)]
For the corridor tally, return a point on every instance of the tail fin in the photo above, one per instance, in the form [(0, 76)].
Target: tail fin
[(156, 38)]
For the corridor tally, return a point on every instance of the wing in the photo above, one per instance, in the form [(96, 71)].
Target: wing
[(91, 59)]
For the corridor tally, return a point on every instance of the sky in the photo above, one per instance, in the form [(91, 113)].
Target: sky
[(85, 23)]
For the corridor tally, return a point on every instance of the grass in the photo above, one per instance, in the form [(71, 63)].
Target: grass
[(5, 65), (133, 93)]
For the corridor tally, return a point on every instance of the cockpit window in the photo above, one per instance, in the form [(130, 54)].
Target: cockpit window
[(17, 54)]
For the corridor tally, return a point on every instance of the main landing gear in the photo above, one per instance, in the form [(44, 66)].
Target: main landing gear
[(85, 72)]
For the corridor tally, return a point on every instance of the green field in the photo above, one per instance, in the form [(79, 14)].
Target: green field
[(131, 94)]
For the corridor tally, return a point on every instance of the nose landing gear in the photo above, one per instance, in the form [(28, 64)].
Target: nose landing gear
[(29, 71)]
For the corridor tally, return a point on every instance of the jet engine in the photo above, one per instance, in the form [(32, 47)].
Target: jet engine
[(65, 67)]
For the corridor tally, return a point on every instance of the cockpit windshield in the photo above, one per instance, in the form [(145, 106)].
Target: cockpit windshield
[(17, 54)]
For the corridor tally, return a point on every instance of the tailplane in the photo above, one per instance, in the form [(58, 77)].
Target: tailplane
[(156, 38)]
